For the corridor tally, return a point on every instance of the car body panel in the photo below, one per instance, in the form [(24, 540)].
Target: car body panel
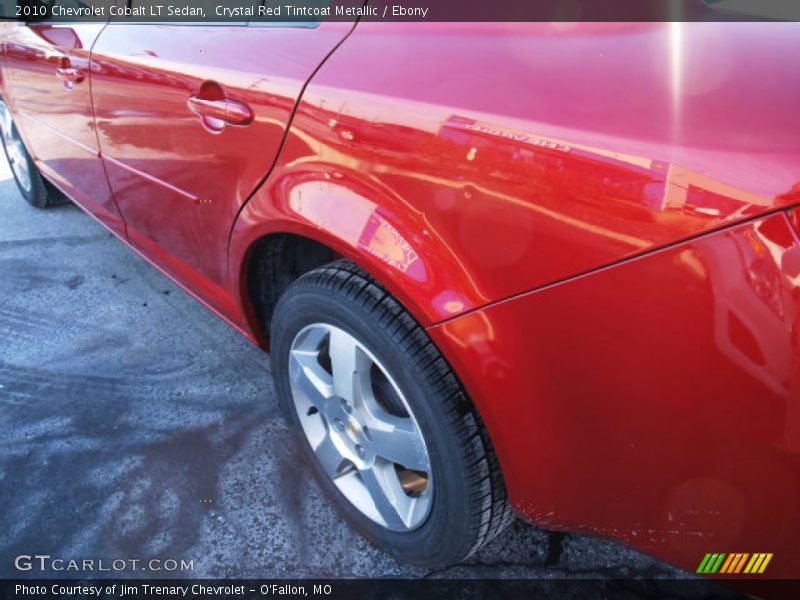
[(56, 115), (179, 184), (656, 402), (505, 174)]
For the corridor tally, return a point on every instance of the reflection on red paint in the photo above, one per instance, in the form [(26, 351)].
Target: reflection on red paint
[(355, 220), (794, 218), (381, 239)]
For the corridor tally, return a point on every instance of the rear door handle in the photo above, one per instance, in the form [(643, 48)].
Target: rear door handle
[(225, 110), (68, 74)]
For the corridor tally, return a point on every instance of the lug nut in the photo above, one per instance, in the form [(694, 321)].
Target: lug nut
[(347, 408), (360, 450), (339, 424)]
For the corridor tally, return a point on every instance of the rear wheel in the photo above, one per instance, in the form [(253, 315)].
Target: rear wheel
[(29, 181), (382, 420)]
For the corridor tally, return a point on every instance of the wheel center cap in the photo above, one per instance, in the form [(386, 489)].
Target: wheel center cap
[(343, 420)]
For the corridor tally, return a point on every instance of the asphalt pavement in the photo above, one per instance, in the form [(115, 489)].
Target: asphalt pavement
[(134, 423)]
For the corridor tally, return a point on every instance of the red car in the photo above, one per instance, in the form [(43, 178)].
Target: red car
[(552, 268)]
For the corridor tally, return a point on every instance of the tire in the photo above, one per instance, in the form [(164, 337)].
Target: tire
[(29, 181), (446, 499)]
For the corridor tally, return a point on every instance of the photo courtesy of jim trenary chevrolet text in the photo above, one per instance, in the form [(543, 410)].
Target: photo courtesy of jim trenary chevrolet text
[(145, 590), (353, 299)]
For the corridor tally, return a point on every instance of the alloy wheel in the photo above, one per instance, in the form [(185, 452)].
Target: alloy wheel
[(15, 149), (360, 427)]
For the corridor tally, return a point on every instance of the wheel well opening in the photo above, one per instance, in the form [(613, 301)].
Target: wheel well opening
[(275, 262)]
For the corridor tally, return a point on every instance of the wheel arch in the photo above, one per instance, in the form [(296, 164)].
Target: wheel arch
[(276, 258), (431, 284), (341, 215)]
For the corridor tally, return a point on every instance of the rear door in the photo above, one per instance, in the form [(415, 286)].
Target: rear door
[(190, 118), (48, 75)]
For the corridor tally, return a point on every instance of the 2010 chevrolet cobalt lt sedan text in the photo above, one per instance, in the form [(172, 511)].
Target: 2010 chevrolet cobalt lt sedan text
[(548, 268)]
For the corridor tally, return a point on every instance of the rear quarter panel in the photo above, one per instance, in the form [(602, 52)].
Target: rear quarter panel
[(466, 163), (656, 402)]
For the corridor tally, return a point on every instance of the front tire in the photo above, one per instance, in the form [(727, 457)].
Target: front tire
[(382, 420), (29, 181)]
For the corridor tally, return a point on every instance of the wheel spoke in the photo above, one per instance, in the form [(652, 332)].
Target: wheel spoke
[(398, 440), (6, 125), (390, 501), (312, 341), (344, 353), (19, 164), (309, 378), (16, 154), (13, 151), (329, 457)]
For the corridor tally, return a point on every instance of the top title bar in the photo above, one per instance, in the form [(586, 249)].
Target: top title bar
[(311, 12)]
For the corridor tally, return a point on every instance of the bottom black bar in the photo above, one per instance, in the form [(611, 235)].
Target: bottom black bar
[(393, 589)]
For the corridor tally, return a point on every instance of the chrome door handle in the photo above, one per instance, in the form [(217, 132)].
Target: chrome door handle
[(228, 111), (69, 75)]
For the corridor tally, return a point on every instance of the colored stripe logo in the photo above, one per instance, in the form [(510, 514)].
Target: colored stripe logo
[(737, 562)]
